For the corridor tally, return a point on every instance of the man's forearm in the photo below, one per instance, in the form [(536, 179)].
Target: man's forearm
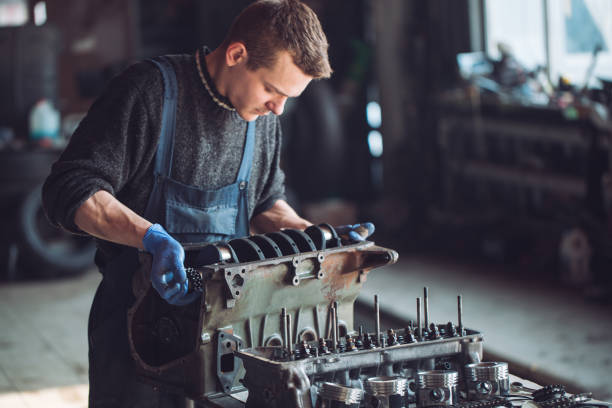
[(105, 217), (279, 216)]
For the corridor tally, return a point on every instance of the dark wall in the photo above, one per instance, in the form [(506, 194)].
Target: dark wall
[(416, 44)]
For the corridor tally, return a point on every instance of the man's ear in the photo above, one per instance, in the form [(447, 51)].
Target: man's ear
[(235, 54)]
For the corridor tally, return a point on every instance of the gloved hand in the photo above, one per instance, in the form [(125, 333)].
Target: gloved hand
[(168, 275), (356, 232)]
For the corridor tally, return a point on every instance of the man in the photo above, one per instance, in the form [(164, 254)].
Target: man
[(181, 148)]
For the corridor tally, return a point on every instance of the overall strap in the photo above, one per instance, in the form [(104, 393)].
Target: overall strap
[(247, 155), (163, 157)]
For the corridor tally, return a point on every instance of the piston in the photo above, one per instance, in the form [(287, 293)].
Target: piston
[(487, 380), (437, 388), (333, 395), (386, 392)]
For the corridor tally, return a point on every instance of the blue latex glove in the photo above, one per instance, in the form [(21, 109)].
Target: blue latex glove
[(356, 232), (168, 275)]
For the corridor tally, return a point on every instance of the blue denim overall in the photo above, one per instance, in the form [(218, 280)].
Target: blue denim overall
[(189, 214)]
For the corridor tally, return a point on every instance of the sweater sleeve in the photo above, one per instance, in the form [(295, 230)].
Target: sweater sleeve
[(116, 139), (274, 188)]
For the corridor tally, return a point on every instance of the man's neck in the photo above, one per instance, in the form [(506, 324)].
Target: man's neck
[(215, 63)]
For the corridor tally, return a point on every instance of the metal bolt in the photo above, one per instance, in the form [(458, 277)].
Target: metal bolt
[(304, 349), (409, 335), (451, 330), (322, 346), (392, 339), (350, 343), (367, 341), (434, 332)]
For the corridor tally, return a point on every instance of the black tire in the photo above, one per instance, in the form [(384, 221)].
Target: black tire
[(47, 251)]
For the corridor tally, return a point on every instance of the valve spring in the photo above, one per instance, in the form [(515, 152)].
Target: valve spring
[(392, 339), (409, 336), (434, 332), (425, 333), (305, 349), (451, 330), (367, 341), (358, 343), (350, 343), (322, 346)]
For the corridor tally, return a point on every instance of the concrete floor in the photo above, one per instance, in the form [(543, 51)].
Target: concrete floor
[(43, 344)]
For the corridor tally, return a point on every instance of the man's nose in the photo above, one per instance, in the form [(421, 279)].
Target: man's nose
[(277, 106)]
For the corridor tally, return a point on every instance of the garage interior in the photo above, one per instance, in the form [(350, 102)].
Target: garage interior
[(475, 134)]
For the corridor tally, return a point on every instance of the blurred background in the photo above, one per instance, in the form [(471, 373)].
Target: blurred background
[(475, 134)]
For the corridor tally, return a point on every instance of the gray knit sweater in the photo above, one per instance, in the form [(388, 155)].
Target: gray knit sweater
[(114, 147)]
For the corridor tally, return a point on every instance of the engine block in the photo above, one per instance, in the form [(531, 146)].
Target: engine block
[(191, 349)]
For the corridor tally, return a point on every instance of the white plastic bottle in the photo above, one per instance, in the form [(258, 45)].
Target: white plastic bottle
[(44, 121)]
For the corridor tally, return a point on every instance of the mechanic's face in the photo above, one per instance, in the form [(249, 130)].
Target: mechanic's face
[(265, 90)]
